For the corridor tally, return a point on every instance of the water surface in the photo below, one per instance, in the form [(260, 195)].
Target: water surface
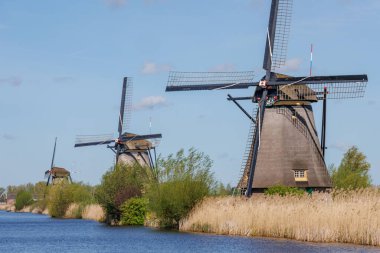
[(25, 232)]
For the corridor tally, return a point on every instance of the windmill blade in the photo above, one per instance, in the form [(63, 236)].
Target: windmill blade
[(278, 34), (125, 105), (92, 140), (52, 159), (338, 87), (125, 138), (186, 81)]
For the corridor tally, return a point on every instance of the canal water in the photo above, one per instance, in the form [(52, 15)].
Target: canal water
[(25, 232)]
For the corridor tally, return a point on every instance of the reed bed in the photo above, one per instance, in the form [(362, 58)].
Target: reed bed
[(82, 211), (339, 217), (93, 212)]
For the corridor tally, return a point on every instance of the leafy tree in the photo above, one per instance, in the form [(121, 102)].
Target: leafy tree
[(133, 211), (23, 198), (119, 184), (221, 190), (352, 171), (181, 182)]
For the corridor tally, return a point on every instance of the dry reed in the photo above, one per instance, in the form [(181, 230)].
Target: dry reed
[(88, 212), (341, 217), (93, 212)]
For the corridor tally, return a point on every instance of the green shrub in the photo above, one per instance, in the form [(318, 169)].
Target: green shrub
[(133, 211), (23, 198), (182, 181), (283, 190), (119, 184)]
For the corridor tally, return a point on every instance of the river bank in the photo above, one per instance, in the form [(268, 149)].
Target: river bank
[(25, 232), (75, 211), (340, 217), (346, 217)]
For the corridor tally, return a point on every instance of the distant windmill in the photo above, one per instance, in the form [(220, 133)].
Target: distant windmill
[(283, 146), (57, 174), (128, 147)]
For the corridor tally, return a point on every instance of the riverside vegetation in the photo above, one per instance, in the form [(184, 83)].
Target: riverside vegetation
[(181, 193)]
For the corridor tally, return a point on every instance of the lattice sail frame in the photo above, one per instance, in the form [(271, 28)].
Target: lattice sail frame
[(281, 38), (337, 90), (127, 117), (209, 80), (96, 139)]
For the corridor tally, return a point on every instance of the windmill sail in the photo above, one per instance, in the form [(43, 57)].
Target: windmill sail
[(186, 81), (125, 105), (278, 34), (92, 140), (338, 87)]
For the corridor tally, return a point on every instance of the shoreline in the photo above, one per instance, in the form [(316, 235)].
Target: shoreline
[(348, 219), (269, 239)]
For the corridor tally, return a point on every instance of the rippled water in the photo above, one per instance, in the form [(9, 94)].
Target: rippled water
[(25, 232)]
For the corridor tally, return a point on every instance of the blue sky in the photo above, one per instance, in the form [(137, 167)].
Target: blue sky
[(62, 65)]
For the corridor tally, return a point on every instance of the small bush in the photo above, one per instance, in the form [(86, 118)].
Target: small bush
[(23, 198), (283, 190), (133, 211)]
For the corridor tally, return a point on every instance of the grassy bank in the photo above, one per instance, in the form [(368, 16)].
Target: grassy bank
[(342, 217)]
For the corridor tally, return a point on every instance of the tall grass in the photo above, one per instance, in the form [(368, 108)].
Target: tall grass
[(342, 216)]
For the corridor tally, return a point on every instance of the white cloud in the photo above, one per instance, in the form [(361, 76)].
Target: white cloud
[(116, 3), (341, 146), (151, 68), (291, 65), (13, 81), (227, 67), (150, 102)]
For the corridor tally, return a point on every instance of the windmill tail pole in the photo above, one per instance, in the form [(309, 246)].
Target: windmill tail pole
[(311, 59)]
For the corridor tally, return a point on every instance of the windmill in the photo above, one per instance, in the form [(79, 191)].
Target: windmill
[(128, 147), (57, 174), (283, 146)]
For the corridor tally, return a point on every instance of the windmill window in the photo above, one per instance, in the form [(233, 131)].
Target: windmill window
[(300, 175)]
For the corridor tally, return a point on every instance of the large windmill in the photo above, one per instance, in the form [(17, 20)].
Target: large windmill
[(128, 147), (57, 174), (283, 146)]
